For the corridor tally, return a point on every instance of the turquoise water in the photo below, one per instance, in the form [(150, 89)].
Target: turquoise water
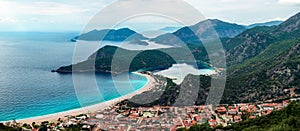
[(29, 89)]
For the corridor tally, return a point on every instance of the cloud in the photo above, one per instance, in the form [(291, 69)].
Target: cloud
[(39, 8), (8, 20), (52, 8), (133, 11), (228, 1), (277, 19), (289, 2), (46, 15)]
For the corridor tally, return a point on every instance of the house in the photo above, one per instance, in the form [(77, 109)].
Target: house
[(213, 122), (268, 106), (221, 110), (232, 111), (237, 118)]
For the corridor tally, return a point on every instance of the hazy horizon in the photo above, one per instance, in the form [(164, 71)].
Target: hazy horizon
[(72, 16)]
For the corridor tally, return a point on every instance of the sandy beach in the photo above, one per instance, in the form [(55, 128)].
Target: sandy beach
[(92, 108)]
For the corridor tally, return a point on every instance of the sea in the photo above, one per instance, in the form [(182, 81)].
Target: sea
[(28, 88)]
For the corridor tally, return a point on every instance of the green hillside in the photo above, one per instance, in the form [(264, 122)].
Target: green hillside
[(272, 65), (101, 61)]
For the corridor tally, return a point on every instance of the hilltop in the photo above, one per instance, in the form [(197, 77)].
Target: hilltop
[(205, 30), (123, 34)]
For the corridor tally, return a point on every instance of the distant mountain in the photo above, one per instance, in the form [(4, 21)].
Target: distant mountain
[(203, 29), (271, 23), (170, 28), (124, 34)]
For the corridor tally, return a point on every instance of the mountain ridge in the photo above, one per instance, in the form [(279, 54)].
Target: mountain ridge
[(117, 35), (186, 34), (269, 23), (204, 29)]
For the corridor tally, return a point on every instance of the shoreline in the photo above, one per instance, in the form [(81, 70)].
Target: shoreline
[(91, 108)]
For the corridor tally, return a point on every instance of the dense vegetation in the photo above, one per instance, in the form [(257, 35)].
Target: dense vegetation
[(118, 60), (7, 128), (166, 93), (273, 64), (196, 127)]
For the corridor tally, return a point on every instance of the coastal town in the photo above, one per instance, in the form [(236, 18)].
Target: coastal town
[(118, 115), (122, 117)]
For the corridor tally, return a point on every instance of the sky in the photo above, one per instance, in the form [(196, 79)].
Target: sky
[(74, 15)]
